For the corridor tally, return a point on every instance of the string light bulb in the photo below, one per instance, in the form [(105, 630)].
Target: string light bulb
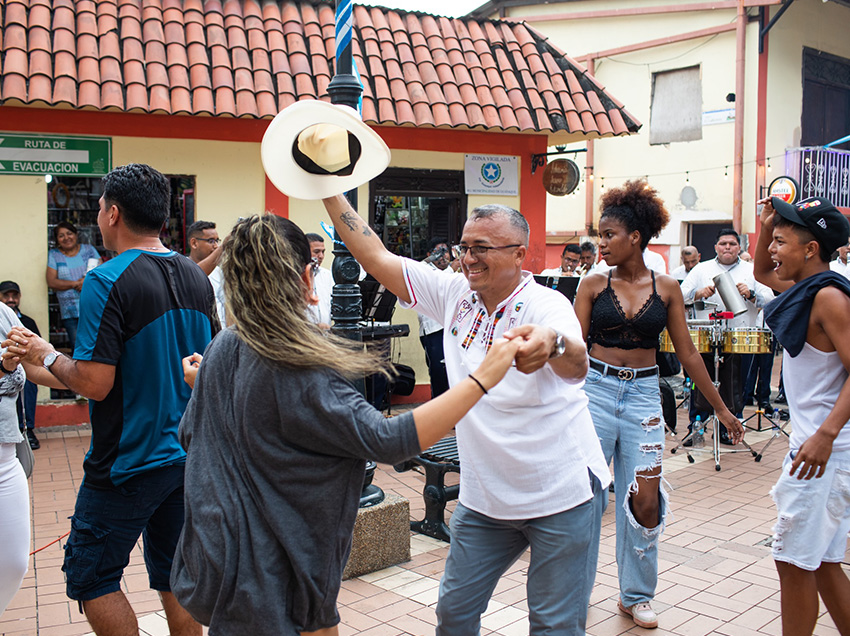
[(687, 177), (768, 164), (726, 173), (602, 183)]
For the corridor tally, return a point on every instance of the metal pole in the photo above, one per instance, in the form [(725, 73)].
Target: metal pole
[(345, 89), (346, 300)]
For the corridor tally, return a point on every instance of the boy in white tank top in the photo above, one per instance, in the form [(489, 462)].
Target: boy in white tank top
[(812, 494)]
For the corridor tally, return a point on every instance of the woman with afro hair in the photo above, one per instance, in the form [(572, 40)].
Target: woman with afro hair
[(622, 313)]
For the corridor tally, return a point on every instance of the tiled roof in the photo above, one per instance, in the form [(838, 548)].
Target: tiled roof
[(251, 58)]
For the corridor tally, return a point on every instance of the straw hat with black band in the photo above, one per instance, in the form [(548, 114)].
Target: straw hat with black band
[(314, 150)]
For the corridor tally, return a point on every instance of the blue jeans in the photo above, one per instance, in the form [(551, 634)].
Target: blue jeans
[(71, 325), (564, 553), (627, 417)]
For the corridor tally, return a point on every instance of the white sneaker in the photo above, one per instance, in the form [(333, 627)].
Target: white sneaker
[(641, 613)]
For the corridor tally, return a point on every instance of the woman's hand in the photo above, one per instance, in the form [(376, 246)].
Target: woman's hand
[(498, 361), (733, 425), (191, 364)]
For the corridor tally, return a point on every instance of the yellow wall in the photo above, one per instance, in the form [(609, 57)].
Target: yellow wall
[(23, 259), (628, 76), (229, 175), (229, 184)]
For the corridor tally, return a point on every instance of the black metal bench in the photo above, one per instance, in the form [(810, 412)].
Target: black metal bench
[(438, 460)]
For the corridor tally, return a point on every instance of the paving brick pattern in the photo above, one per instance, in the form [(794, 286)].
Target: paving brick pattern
[(716, 573)]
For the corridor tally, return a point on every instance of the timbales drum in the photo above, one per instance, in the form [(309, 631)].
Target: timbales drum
[(700, 336), (752, 340)]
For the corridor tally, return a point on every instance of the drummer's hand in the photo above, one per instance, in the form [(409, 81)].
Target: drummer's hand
[(733, 425), (743, 290), (812, 456), (705, 292), (767, 212)]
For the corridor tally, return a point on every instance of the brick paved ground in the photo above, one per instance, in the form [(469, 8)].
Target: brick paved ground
[(716, 577)]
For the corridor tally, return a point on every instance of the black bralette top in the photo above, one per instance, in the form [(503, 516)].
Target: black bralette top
[(609, 326)]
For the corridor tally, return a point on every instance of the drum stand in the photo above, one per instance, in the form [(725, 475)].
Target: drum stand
[(774, 426), (716, 344)]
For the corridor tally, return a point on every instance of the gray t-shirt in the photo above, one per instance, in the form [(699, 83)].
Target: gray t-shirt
[(274, 471)]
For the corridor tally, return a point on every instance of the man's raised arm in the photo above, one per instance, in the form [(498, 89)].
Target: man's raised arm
[(367, 247)]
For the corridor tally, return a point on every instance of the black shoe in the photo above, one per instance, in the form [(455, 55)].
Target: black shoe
[(33, 440), (726, 440), (780, 399), (766, 407)]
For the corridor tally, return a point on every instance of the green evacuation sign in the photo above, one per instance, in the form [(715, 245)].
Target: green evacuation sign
[(43, 155)]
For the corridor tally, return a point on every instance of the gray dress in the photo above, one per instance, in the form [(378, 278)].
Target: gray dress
[(275, 466)]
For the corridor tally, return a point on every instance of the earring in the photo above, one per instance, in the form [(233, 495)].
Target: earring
[(806, 258)]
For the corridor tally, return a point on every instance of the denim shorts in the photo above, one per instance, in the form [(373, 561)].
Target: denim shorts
[(813, 515), (106, 527)]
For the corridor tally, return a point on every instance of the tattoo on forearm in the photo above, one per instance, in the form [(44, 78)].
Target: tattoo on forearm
[(353, 221)]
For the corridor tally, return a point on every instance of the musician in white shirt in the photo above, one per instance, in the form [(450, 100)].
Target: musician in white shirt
[(699, 290)]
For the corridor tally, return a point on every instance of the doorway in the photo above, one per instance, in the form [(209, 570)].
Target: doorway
[(407, 208)]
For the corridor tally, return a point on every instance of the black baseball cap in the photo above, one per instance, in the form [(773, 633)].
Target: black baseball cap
[(9, 285), (820, 217)]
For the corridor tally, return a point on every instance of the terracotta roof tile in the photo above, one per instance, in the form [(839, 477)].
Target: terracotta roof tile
[(134, 73), (64, 91), (137, 97), (41, 63), (251, 58), (112, 95), (199, 76), (64, 65), (181, 101), (40, 88), (156, 75), (202, 101), (160, 99), (89, 94)]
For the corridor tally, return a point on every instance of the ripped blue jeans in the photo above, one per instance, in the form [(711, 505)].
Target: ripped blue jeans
[(627, 417)]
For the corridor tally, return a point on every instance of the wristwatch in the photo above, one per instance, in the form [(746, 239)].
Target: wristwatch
[(560, 346), (49, 359)]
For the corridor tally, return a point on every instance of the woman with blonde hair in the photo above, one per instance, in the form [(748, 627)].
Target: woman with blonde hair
[(277, 439)]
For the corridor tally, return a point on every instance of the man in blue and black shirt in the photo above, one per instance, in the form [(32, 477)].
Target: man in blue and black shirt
[(140, 314)]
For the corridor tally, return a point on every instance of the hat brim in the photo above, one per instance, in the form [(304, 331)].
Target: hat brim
[(787, 211), (291, 179)]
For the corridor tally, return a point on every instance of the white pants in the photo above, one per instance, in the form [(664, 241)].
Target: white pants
[(14, 525)]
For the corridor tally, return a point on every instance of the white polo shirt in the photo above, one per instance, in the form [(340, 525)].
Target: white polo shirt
[(702, 275), (526, 447), (323, 284)]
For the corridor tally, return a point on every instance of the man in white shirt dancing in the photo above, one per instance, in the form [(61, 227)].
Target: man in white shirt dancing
[(533, 470)]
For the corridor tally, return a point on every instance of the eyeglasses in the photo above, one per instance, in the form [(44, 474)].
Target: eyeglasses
[(479, 251), (211, 241)]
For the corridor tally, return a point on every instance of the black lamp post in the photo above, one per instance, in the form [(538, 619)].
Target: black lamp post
[(346, 302)]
